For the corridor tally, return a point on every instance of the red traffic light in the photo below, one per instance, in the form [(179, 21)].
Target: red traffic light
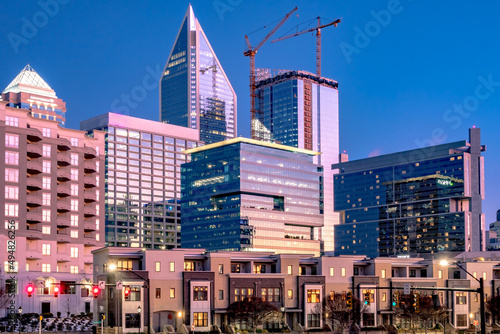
[(29, 290), (56, 291), (96, 291), (127, 292)]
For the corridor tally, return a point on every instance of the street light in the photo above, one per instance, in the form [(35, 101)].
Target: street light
[(480, 290), (282, 318), (139, 309), (20, 310)]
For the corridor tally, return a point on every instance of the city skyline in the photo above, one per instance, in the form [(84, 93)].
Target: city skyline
[(438, 104)]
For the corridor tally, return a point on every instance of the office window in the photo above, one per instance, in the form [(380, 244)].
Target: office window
[(313, 296), (221, 269), (172, 266), (45, 249), (172, 292), (11, 140), (12, 210), (290, 293), (12, 121), (46, 267), (46, 150), (11, 175), (158, 266), (74, 269), (200, 293), (200, 319), (343, 272), (332, 271), (461, 298), (158, 293), (289, 270), (221, 294), (74, 252), (12, 158), (11, 192)]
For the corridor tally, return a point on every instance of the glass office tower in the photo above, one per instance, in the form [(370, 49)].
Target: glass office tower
[(142, 195), (300, 109), (194, 90), (422, 201), (244, 194)]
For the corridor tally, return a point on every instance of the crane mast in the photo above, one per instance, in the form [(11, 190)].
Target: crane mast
[(251, 54)]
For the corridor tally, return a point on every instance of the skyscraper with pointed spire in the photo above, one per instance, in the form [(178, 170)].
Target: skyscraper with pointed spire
[(194, 89), (29, 91)]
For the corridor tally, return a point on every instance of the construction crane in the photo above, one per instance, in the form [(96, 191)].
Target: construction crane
[(318, 40), (212, 67), (251, 53)]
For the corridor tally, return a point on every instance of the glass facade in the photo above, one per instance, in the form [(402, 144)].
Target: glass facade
[(143, 184), (194, 90), (394, 205), (244, 196)]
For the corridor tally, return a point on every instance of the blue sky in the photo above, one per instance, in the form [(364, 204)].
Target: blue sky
[(409, 72)]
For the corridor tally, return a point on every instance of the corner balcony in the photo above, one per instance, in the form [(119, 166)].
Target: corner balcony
[(63, 221), (63, 206), (33, 217), (34, 167), (89, 166), (63, 144), (33, 200), (89, 153), (33, 134), (63, 159), (63, 258), (33, 183), (89, 226), (89, 211), (33, 150), (89, 182), (89, 197), (63, 237), (33, 254), (63, 175), (63, 190), (33, 232), (90, 240)]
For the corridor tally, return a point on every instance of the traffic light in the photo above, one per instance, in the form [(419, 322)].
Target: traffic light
[(349, 300), (126, 291), (56, 291), (96, 291), (395, 299), (367, 297), (30, 289), (416, 302)]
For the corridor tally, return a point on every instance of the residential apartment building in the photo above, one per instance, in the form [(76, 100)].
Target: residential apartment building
[(245, 194), (423, 201), (185, 286), (142, 193), (300, 109), (53, 203), (194, 89)]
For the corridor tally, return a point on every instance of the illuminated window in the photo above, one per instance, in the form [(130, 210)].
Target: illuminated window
[(46, 151), (74, 252), (45, 229), (158, 266), (440, 274), (74, 269), (383, 273), (74, 159), (332, 271), (289, 270), (12, 210), (74, 220), (74, 205), (74, 141), (172, 292), (200, 319), (46, 167), (11, 267), (313, 296), (46, 132), (11, 192), (461, 298), (12, 158), (11, 175), (46, 267), (74, 175), (74, 190), (45, 249), (158, 293), (200, 293), (290, 293), (74, 234), (46, 183), (12, 121), (11, 140), (343, 272), (46, 215), (270, 294)]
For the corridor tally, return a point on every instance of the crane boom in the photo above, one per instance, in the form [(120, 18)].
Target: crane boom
[(318, 40), (251, 53)]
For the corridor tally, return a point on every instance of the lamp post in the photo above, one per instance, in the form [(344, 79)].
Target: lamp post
[(139, 309), (282, 319), (20, 311), (480, 290)]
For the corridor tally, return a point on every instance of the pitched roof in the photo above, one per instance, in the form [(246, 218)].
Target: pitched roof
[(29, 77)]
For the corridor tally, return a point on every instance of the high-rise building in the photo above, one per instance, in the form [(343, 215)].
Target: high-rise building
[(143, 179), (494, 234), (300, 109), (245, 194), (53, 205), (194, 89), (423, 201)]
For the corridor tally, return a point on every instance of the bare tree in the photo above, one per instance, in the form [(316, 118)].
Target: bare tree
[(493, 307), (335, 309), (425, 314), (6, 288), (253, 312)]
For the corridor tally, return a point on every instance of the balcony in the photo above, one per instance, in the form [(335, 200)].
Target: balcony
[(89, 226), (89, 166), (89, 197), (33, 254), (63, 190), (34, 167), (63, 206), (33, 232), (33, 150), (63, 221), (34, 135), (63, 175), (33, 183), (89, 181), (63, 236), (33, 217), (63, 159), (89, 211), (63, 258), (63, 144), (33, 200), (88, 259), (90, 240), (89, 153)]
